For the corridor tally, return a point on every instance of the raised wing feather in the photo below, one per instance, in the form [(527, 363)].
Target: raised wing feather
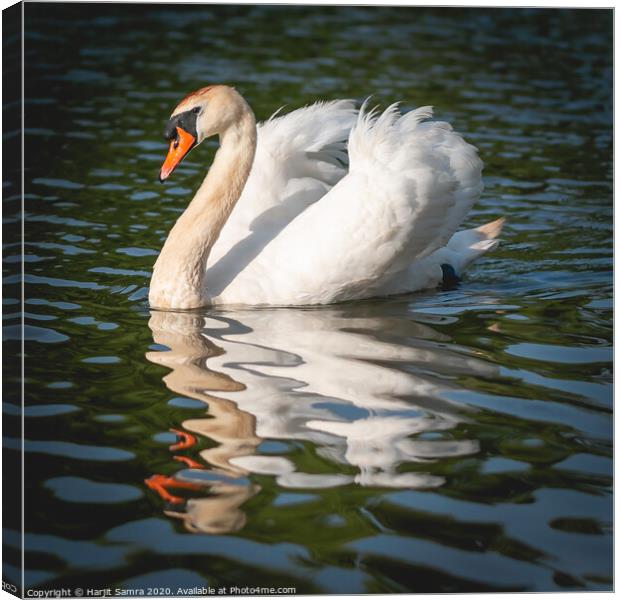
[(409, 186), (299, 157)]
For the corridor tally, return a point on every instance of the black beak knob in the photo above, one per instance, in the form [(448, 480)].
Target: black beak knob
[(170, 130)]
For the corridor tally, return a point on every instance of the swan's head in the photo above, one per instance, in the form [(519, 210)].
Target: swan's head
[(208, 111)]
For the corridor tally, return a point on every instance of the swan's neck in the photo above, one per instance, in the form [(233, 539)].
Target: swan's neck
[(179, 274)]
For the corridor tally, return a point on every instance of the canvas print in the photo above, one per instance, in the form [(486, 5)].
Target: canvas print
[(306, 300)]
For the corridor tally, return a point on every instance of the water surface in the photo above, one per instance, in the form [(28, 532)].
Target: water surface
[(456, 440)]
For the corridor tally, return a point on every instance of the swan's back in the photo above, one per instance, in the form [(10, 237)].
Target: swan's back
[(410, 184), (299, 157)]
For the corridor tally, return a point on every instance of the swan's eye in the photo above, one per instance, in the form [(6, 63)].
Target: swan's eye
[(196, 110)]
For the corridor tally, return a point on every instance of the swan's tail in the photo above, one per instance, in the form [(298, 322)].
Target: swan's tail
[(468, 245)]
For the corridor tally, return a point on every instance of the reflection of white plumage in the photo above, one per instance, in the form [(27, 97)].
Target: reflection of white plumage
[(323, 376), (379, 444), (305, 371), (279, 220)]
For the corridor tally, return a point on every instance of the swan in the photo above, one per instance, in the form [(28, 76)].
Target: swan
[(321, 205)]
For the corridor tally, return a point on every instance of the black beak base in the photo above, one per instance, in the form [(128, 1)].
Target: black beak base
[(185, 120)]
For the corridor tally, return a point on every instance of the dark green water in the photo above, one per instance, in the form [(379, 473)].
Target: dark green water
[(447, 441)]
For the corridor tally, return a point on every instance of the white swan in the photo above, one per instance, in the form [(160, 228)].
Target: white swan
[(278, 220)]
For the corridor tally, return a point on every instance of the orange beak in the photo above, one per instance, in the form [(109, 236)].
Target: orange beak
[(178, 149)]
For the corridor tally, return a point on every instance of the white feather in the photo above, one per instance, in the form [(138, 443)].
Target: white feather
[(303, 232), (299, 157)]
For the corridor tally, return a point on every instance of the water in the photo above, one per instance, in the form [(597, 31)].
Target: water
[(446, 441)]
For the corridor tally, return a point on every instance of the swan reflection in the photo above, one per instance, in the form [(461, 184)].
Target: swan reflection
[(357, 386)]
